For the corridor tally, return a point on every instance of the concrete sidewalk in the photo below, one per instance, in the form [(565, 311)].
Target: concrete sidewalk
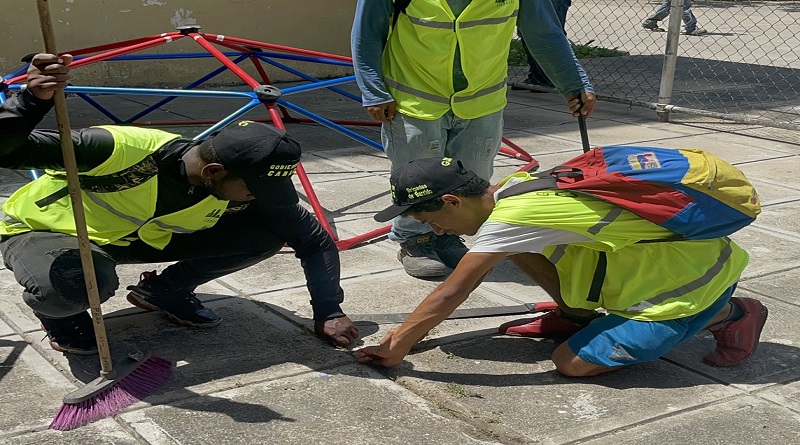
[(262, 377)]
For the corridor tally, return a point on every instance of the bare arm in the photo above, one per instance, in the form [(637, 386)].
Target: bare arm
[(434, 309)]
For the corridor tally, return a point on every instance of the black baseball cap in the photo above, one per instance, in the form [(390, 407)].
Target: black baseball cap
[(265, 157), (422, 180)]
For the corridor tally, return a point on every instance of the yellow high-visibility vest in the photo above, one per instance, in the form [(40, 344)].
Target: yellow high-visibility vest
[(419, 55), (648, 281), (119, 198)]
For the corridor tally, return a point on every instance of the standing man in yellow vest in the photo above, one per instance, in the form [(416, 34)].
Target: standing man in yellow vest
[(215, 207), (435, 75), (657, 294)]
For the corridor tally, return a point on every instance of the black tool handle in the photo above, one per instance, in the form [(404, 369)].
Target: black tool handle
[(582, 125)]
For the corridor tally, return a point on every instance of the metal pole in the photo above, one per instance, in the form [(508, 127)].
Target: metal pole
[(670, 59)]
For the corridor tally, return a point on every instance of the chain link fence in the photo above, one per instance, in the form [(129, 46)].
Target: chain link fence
[(746, 67)]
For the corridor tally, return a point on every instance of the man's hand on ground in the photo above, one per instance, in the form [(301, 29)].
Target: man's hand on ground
[(48, 73), (339, 331), (388, 353)]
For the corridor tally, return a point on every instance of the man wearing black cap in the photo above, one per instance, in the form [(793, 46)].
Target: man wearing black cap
[(657, 294), (215, 207)]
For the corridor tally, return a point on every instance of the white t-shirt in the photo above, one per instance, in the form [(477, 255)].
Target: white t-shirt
[(493, 237)]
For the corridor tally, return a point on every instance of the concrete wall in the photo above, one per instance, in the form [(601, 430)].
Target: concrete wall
[(320, 25)]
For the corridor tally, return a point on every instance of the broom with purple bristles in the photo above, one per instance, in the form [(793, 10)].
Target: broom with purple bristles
[(141, 374)]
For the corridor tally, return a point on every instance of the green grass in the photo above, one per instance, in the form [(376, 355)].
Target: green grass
[(516, 57), (586, 50)]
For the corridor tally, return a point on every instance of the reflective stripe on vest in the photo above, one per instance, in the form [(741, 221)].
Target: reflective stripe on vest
[(116, 208), (644, 281), (711, 273), (96, 199), (420, 52)]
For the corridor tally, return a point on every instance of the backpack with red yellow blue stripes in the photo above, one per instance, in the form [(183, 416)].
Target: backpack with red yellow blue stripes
[(688, 191)]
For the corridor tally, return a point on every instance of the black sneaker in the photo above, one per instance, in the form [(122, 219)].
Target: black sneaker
[(419, 258), (450, 249), (652, 25), (73, 334), (181, 306)]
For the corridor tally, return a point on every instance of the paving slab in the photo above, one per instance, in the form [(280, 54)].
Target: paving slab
[(770, 251), (251, 344), (31, 387), (777, 359), (106, 431), (785, 395), (784, 170), (744, 420), (391, 292), (772, 192), (509, 387), (342, 405)]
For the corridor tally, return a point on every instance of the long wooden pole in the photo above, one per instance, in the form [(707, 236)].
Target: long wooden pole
[(74, 187)]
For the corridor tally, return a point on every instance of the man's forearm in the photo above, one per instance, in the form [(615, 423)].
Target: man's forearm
[(19, 115), (433, 310), (446, 298), (368, 38), (22, 147), (541, 30)]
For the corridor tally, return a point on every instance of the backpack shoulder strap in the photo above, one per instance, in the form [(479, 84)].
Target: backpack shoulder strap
[(399, 6), (547, 181)]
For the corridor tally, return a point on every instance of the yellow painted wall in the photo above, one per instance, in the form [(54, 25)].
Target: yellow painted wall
[(319, 25)]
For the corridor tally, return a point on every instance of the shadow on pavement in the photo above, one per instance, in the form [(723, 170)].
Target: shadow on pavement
[(511, 352)]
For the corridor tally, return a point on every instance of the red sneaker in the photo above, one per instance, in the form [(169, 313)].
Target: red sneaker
[(551, 324), (738, 340)]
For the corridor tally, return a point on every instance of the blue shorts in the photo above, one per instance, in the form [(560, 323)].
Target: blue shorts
[(616, 341)]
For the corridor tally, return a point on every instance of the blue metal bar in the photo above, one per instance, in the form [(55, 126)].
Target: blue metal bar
[(329, 124), (21, 70), (302, 58), (199, 81), (155, 92), (232, 117), (317, 85), (100, 108), (307, 77)]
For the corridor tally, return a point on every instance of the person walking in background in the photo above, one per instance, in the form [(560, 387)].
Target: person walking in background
[(662, 12), (434, 73)]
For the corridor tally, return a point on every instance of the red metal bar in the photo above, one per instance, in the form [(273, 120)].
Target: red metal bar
[(114, 53), (201, 40), (280, 48), (369, 236), (515, 151), (261, 72), (319, 212), (109, 46)]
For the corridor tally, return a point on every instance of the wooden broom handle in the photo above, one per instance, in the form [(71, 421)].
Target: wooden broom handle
[(74, 187)]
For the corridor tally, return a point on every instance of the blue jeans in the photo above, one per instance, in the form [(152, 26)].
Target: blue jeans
[(475, 142), (662, 12)]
